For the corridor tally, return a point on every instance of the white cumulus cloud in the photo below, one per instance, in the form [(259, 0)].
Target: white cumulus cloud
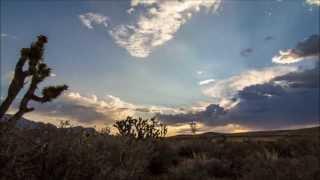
[(157, 24)]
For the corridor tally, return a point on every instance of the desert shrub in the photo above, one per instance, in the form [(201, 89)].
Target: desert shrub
[(270, 164), (163, 158), (141, 128), (188, 149), (219, 168), (51, 153), (201, 167), (67, 154), (189, 169), (299, 147)]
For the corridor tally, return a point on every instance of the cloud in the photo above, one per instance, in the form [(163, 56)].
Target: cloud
[(207, 81), (267, 105), (212, 111), (4, 35), (89, 19), (200, 72), (305, 79), (228, 88), (313, 2), (270, 105), (282, 96), (91, 110), (309, 48), (246, 52), (157, 24), (268, 38)]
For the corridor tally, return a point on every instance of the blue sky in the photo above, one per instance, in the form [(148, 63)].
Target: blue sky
[(212, 41)]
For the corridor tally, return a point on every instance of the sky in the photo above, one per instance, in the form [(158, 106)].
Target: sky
[(229, 65)]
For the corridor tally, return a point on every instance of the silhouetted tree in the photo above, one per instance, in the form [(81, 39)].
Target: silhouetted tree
[(38, 71), (193, 127), (141, 128)]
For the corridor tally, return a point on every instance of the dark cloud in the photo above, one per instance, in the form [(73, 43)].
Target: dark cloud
[(246, 52), (294, 107), (261, 91), (307, 79), (269, 38), (213, 111), (309, 47)]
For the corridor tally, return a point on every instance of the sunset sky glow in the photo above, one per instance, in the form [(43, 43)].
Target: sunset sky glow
[(230, 65)]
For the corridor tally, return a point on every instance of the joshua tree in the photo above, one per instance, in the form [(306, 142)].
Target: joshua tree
[(38, 71), (141, 128), (193, 127)]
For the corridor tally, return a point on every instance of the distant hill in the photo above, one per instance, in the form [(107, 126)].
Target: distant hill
[(256, 135), (24, 123), (292, 132)]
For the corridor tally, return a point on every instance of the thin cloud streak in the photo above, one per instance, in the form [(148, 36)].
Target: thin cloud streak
[(90, 19), (207, 81)]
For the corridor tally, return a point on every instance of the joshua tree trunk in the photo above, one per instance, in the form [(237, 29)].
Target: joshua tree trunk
[(7, 102), (24, 103), (17, 83)]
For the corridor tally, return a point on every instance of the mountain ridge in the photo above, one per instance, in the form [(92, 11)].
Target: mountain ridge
[(311, 131)]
